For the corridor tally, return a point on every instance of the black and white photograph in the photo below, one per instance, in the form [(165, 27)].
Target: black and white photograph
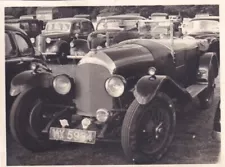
[(112, 85)]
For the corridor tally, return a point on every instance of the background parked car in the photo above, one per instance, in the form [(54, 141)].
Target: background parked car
[(205, 27), (54, 42), (114, 29), (32, 27), (19, 56)]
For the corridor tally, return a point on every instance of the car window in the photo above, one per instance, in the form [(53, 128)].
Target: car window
[(76, 27), (34, 27), (22, 44), (8, 45), (87, 26), (24, 26)]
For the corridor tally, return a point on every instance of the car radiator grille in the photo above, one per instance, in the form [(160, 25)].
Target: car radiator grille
[(90, 93)]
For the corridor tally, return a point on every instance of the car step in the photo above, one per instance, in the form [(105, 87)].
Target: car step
[(195, 89)]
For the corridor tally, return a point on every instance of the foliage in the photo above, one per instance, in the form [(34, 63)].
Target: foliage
[(184, 10)]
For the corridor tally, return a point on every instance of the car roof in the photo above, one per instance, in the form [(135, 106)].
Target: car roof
[(20, 20), (124, 17), (70, 19), (159, 14), (12, 28), (206, 18)]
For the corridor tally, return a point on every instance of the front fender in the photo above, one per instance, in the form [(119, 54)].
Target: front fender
[(58, 46), (28, 79), (147, 87), (207, 59)]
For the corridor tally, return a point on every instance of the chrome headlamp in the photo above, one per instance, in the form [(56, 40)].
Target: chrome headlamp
[(48, 40), (33, 66), (32, 40), (152, 71), (115, 85), (62, 84), (72, 44)]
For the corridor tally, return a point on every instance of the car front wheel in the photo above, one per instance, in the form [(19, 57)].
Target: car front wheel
[(27, 120), (148, 130)]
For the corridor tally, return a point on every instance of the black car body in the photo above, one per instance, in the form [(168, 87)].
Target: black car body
[(32, 27), (205, 27), (129, 93), (54, 42), (114, 29), (19, 56)]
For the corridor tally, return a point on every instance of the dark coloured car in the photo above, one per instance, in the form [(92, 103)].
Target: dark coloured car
[(32, 27), (114, 29), (205, 27), (54, 42), (19, 56), (129, 93)]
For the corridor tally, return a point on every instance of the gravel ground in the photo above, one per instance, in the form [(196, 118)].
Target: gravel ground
[(192, 144)]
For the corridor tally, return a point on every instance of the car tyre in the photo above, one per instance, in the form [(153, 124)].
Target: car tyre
[(138, 144), (21, 126)]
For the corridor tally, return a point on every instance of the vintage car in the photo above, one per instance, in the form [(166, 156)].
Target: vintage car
[(19, 56), (129, 92), (32, 27), (205, 27), (114, 29), (54, 42)]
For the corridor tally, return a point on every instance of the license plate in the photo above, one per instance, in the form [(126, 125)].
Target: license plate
[(72, 135)]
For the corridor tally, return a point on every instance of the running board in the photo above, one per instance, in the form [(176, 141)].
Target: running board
[(194, 90)]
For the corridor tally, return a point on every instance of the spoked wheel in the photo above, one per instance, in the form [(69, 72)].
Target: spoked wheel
[(148, 130), (207, 96), (61, 58), (28, 119)]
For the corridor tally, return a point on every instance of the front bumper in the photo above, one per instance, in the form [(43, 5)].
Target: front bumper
[(49, 55)]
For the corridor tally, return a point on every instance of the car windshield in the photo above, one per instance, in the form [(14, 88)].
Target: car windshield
[(117, 24), (156, 29), (24, 26), (202, 26), (58, 27)]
